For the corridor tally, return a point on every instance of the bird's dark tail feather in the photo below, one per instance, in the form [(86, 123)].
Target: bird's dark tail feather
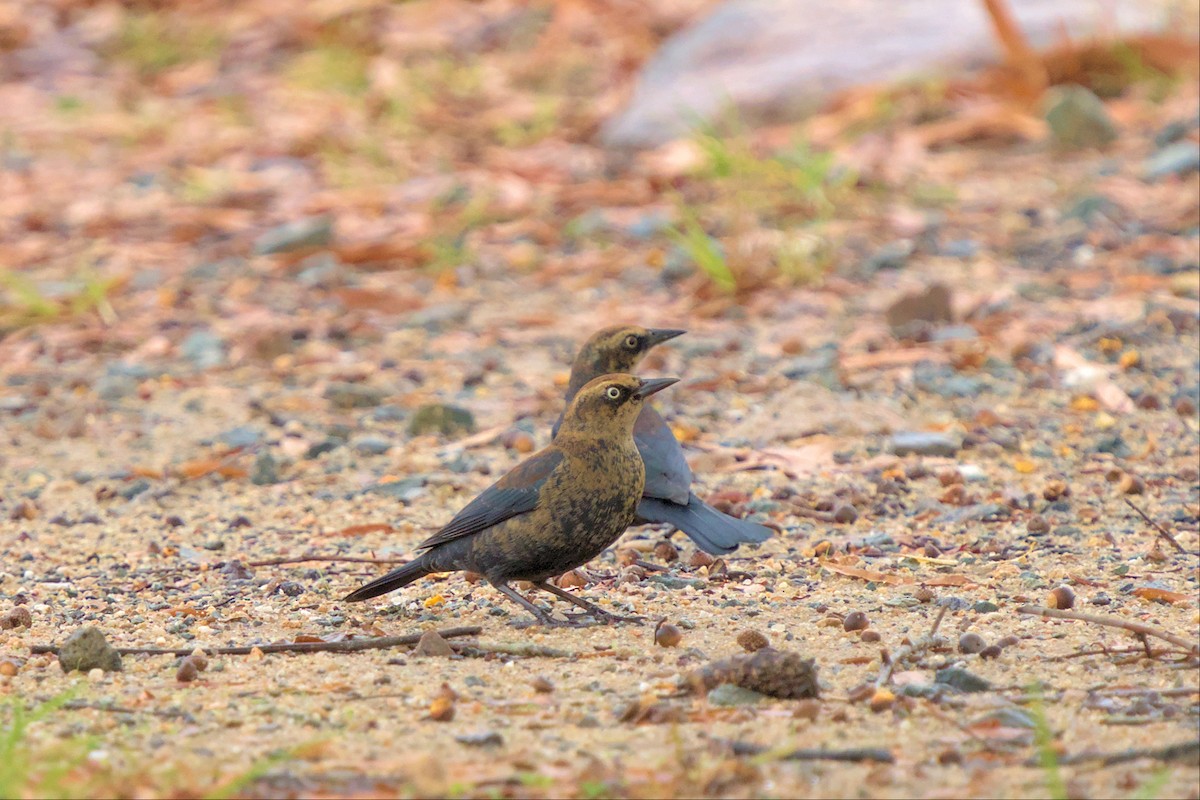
[(403, 576), (712, 531)]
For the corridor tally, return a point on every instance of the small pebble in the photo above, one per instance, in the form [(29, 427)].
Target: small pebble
[(971, 643), (991, 651), (699, 559), (869, 636), (1131, 484), (542, 685), (845, 514), (1055, 490), (665, 551), (667, 635), (188, 671), (1008, 641), (855, 621), (1037, 524)]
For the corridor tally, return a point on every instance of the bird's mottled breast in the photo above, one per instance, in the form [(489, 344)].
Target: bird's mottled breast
[(584, 506)]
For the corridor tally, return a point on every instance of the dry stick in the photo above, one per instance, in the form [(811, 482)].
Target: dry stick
[(274, 562), (908, 651), (347, 646), (268, 563), (1139, 628), (805, 754), (1172, 752), (527, 649), (1166, 534)]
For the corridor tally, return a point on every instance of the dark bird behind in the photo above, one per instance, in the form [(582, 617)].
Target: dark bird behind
[(558, 509), (668, 496)]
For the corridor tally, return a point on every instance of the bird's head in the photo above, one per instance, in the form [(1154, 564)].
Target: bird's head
[(609, 405), (615, 349)]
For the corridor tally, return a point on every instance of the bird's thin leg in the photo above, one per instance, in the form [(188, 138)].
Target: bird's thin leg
[(539, 615), (596, 611)]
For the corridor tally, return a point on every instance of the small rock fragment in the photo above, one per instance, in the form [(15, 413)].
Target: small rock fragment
[(480, 739), (300, 234), (971, 643), (922, 443), (1179, 158), (727, 694), (541, 684), (445, 420), (187, 671), (431, 643), (1131, 484), (699, 559), (665, 551), (869, 636), (1078, 118), (855, 621), (667, 635), (87, 649), (1037, 524), (845, 514), (961, 679)]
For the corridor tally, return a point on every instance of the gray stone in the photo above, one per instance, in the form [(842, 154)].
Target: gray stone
[(241, 436), (1179, 158), (405, 490), (921, 443), (767, 60), (114, 387), (974, 513), (727, 694), (962, 680), (1078, 119), (204, 349), (266, 470), (354, 395), (480, 739), (370, 445), (87, 649), (445, 420), (298, 235)]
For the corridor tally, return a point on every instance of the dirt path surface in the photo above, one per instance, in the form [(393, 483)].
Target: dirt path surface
[(232, 282)]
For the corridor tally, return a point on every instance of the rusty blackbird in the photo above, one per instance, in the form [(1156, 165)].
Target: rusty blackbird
[(558, 509), (668, 496)]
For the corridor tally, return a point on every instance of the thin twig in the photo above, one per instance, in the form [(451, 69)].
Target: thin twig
[(114, 709), (1182, 751), (741, 748), (1112, 622), (346, 646), (908, 651), (1166, 534), (526, 649), (274, 562), (1124, 651)]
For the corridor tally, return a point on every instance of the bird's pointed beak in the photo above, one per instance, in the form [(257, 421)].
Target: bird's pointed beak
[(660, 335), (653, 386)]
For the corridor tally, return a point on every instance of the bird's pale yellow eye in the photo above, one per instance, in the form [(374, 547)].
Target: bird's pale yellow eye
[(631, 342), (613, 393)]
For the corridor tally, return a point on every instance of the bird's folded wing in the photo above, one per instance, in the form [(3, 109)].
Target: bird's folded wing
[(516, 493), (668, 476)]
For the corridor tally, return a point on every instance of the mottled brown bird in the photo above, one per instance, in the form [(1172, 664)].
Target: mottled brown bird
[(668, 496), (558, 509)]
